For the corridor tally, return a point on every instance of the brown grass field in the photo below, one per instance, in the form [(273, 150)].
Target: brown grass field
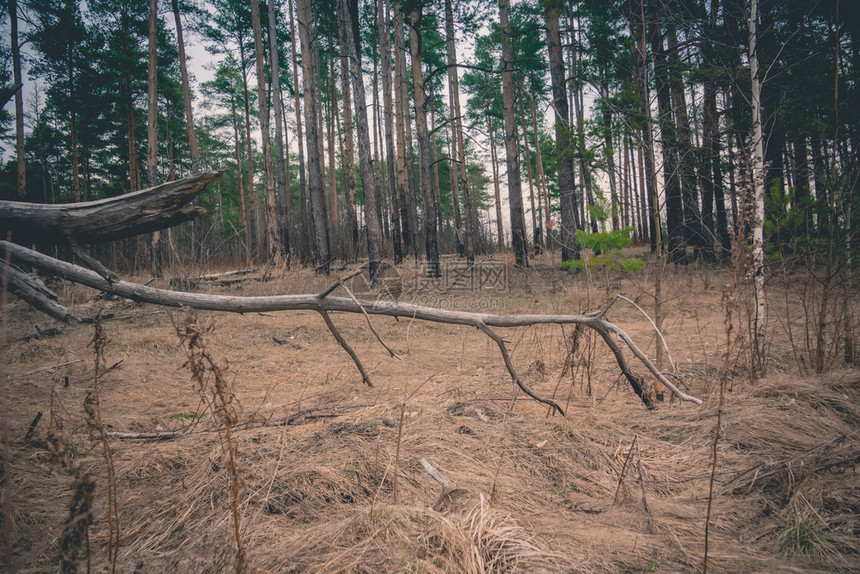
[(317, 450)]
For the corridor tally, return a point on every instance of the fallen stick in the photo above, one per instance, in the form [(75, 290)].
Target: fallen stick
[(51, 368), (237, 304), (437, 476)]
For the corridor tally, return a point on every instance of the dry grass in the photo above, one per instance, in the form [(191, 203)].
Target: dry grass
[(315, 448)]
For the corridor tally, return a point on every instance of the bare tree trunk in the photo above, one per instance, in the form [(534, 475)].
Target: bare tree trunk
[(250, 203), (283, 189), (348, 158), (760, 317), (194, 152), (332, 165), (567, 191), (307, 33), (152, 127), (668, 131), (308, 232), (430, 215), (246, 228), (541, 176), (437, 191), (408, 213), (368, 178), (609, 151), (515, 196), (470, 228), (528, 162), (494, 162), (19, 101), (385, 49), (273, 244)]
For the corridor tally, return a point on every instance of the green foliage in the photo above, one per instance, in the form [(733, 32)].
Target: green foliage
[(606, 251), (801, 536)]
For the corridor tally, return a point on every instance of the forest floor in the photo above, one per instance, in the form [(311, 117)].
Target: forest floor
[(610, 487)]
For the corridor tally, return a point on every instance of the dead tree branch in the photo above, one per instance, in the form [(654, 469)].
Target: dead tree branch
[(236, 304), (143, 211), (342, 342)]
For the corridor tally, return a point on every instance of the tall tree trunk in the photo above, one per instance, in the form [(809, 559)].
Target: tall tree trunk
[(307, 34), (193, 150), (243, 212), (330, 125), (711, 142), (385, 49), (308, 234), (19, 102), (368, 178), (273, 243), (471, 220), (609, 152), (437, 191), (541, 176), (760, 316), (430, 223), (348, 159), (528, 161), (409, 224), (515, 196), (672, 183), (152, 128), (251, 196), (692, 217), (280, 158), (567, 191), (495, 164)]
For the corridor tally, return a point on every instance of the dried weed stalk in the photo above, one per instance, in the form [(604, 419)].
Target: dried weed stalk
[(75, 534), (730, 304), (214, 388), (92, 407)]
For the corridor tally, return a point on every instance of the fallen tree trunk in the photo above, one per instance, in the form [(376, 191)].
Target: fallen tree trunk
[(322, 303), (143, 211)]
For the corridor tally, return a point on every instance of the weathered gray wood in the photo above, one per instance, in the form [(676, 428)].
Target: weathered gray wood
[(143, 211), (313, 302)]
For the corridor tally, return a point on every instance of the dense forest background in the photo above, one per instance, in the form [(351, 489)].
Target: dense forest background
[(385, 129)]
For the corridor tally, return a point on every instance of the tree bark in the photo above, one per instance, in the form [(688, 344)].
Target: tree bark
[(566, 187), (515, 196), (138, 212), (193, 150), (408, 213), (152, 126), (500, 232), (348, 158), (273, 244), (250, 196), (430, 215), (316, 185), (760, 314), (283, 188), (21, 158), (308, 234), (668, 133), (368, 178), (471, 217), (385, 49)]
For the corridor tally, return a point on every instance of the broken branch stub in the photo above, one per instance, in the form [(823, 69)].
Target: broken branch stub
[(143, 211), (312, 302)]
